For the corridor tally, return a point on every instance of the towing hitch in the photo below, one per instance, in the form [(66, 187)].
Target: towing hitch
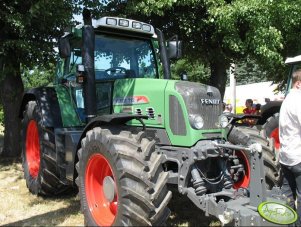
[(259, 207)]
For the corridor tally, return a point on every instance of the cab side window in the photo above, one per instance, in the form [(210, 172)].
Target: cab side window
[(75, 59)]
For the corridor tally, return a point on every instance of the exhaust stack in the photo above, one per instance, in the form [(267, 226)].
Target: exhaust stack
[(89, 88)]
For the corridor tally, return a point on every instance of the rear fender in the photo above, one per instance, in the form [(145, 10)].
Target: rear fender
[(269, 110), (47, 101)]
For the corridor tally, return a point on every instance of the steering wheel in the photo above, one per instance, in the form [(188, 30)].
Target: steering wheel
[(115, 71)]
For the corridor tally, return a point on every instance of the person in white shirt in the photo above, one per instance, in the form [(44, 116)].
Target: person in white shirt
[(290, 144)]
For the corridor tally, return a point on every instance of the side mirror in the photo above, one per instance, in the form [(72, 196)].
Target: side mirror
[(184, 76), (174, 48), (64, 46)]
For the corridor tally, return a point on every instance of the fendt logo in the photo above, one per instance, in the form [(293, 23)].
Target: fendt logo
[(210, 101)]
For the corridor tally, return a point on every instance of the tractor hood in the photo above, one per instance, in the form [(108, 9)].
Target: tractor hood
[(188, 111)]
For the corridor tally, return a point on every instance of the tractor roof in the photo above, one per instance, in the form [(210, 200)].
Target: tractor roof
[(120, 24), (125, 24), (292, 60)]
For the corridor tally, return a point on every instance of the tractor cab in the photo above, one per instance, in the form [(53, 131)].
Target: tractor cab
[(116, 48)]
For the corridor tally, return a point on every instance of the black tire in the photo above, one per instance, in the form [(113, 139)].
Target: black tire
[(135, 169), (271, 130), (38, 154), (247, 136)]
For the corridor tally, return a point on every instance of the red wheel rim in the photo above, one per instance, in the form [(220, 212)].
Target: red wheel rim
[(33, 149), (275, 135), (245, 181), (102, 210)]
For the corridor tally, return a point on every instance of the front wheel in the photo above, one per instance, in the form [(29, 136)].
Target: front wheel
[(121, 181)]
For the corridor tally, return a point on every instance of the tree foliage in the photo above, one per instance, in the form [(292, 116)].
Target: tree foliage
[(28, 31), (38, 76), (247, 72), (195, 70)]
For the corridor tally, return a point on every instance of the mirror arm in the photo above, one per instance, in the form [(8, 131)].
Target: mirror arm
[(173, 38)]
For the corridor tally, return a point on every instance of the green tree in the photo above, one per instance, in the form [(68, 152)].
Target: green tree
[(28, 30), (38, 76), (247, 71), (195, 70), (285, 16)]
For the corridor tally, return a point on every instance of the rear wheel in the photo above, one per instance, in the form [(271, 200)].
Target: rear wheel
[(247, 136), (38, 154), (121, 181)]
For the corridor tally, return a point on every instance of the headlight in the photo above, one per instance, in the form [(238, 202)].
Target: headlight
[(196, 121), (223, 121)]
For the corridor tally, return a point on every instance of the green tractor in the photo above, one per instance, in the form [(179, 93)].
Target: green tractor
[(116, 126)]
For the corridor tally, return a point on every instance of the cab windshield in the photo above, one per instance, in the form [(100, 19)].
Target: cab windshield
[(120, 57), (115, 57)]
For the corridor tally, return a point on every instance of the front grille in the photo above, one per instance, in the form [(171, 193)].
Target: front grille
[(176, 117), (203, 100)]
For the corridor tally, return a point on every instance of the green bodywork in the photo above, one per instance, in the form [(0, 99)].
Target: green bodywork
[(152, 89), (154, 94), (128, 95), (69, 114)]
